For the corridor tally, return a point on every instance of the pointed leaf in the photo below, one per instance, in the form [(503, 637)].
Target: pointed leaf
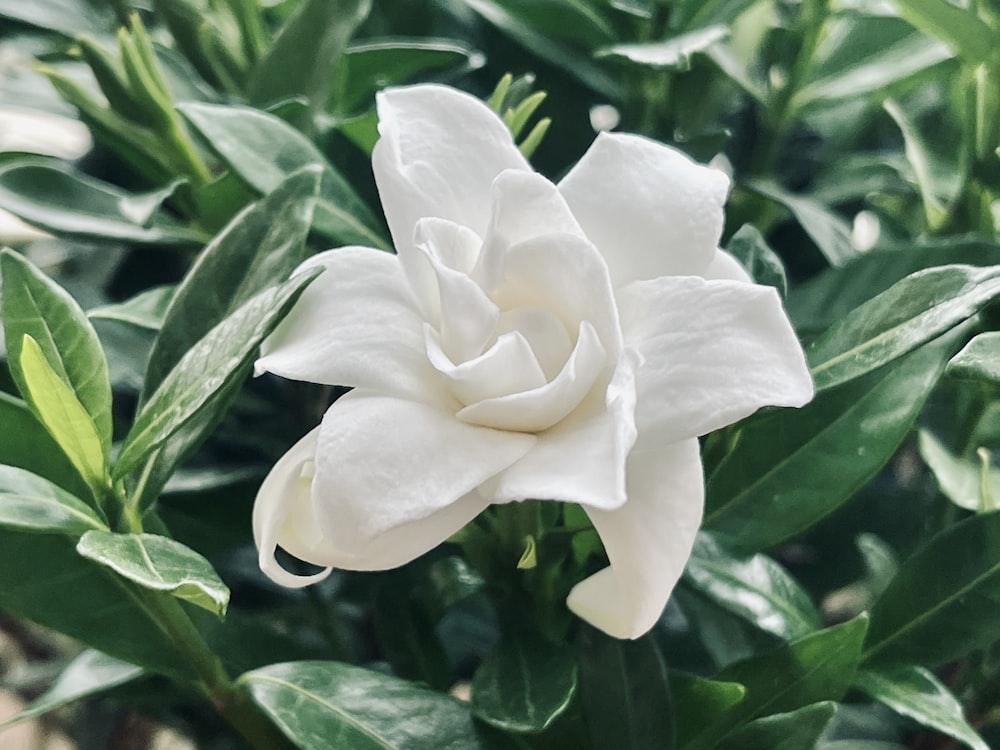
[(144, 310), (788, 731), (915, 692), (30, 503), (320, 705), (158, 563), (699, 701), (750, 248), (957, 27), (979, 360), (263, 150), (524, 684)]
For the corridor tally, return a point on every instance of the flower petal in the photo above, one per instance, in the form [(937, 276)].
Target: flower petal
[(395, 478), (582, 459), (440, 150), (442, 242), (649, 209), (356, 324), (714, 352), (648, 540), (725, 266)]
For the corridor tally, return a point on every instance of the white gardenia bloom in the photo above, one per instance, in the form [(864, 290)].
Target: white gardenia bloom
[(529, 340)]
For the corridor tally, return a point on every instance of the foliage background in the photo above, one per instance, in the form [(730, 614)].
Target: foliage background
[(846, 591)]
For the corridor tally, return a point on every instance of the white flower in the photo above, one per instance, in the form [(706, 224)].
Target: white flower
[(529, 340)]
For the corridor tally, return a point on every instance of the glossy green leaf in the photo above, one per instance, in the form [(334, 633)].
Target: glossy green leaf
[(699, 702), (30, 503), (35, 305), (219, 359), (909, 313), (57, 407), (959, 478), (324, 27), (65, 202), (259, 248), (750, 248), (674, 53), (979, 360), (320, 705), (89, 605), (625, 678), (945, 600), (957, 27), (158, 563), (915, 692), (698, 13), (829, 231), (794, 730), (263, 150), (144, 310), (756, 497), (91, 673), (756, 588), (524, 684)]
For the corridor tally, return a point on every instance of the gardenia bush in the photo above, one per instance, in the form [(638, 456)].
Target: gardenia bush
[(486, 374)]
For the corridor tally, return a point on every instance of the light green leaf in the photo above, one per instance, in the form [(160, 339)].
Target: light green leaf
[(158, 563), (30, 503), (915, 310), (64, 16), (755, 588), (219, 360), (524, 684), (959, 478), (144, 310), (263, 150), (794, 730), (671, 54), (58, 408), (90, 673), (959, 28), (320, 705), (979, 360), (945, 600), (915, 692)]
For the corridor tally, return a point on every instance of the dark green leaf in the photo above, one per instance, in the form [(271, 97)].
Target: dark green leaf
[(322, 705), (525, 684), (979, 360), (755, 588), (158, 563), (750, 248), (263, 150), (145, 310), (30, 503), (220, 359), (90, 673), (757, 496), (945, 600), (915, 692), (915, 310), (789, 731), (625, 679), (674, 53), (699, 702)]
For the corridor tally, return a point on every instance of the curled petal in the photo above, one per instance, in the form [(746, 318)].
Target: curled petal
[(648, 539), (714, 352), (649, 209), (395, 478), (437, 243)]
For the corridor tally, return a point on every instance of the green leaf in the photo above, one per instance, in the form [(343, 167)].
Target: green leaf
[(57, 407), (91, 673), (909, 313), (34, 305), (324, 27), (220, 359), (819, 667), (30, 503), (756, 497), (750, 248), (158, 563), (320, 705), (959, 478), (699, 701), (525, 684), (64, 16), (625, 679), (945, 600), (979, 360), (43, 579), (65, 202), (756, 588), (144, 310), (915, 692), (263, 150), (673, 54), (829, 231), (959, 28), (794, 730), (259, 248)]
